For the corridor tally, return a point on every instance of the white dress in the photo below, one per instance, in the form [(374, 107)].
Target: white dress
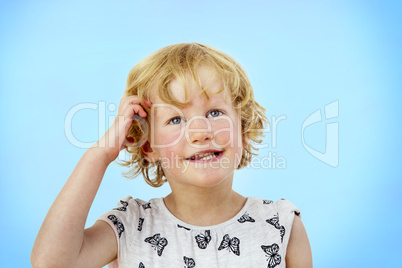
[(149, 235)]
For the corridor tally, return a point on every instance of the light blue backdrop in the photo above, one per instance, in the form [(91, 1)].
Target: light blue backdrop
[(300, 57)]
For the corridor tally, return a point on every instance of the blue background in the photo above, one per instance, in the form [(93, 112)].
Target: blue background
[(300, 56)]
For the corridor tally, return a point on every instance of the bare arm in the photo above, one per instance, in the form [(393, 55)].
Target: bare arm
[(298, 253), (62, 240)]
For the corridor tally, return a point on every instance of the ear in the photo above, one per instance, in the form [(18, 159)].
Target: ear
[(149, 154)]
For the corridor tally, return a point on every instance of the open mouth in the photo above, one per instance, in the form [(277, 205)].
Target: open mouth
[(206, 156)]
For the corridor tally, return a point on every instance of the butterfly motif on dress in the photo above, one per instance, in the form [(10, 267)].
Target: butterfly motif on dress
[(140, 222), (282, 232), (267, 202), (157, 242), (231, 244), (117, 223), (124, 206), (189, 262), (274, 258), (147, 205), (275, 222), (180, 226), (245, 218), (141, 265), (203, 239), (144, 206)]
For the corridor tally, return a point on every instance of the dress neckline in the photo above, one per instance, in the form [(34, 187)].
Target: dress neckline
[(170, 215)]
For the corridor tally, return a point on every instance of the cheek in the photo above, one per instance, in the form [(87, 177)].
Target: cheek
[(168, 143), (227, 134), (223, 137), (169, 137)]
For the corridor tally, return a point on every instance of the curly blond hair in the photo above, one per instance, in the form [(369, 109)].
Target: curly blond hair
[(175, 62)]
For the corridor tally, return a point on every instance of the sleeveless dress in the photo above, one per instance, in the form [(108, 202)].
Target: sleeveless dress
[(149, 235)]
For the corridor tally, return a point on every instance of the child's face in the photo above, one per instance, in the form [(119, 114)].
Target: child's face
[(179, 136)]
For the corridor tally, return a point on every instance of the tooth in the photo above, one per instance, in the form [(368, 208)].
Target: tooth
[(208, 157), (204, 156)]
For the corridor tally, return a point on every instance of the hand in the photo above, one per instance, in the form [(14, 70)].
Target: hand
[(115, 138)]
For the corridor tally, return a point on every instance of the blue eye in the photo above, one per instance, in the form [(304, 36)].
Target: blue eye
[(175, 121), (215, 113)]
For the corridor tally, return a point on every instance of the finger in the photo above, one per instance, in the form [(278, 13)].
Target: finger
[(147, 103), (126, 108), (131, 105), (136, 100), (129, 99), (138, 109)]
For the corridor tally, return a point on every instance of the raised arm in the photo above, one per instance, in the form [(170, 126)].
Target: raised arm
[(62, 240), (59, 241)]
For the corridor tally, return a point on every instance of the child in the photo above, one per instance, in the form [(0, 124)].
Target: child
[(197, 119)]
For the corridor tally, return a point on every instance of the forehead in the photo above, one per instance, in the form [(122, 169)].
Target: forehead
[(193, 91), (208, 80)]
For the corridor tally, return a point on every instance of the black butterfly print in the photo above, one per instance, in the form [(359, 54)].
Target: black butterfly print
[(275, 222), (141, 265), (159, 243), (124, 206), (267, 202), (203, 239), (180, 226), (117, 222), (144, 206), (272, 253), (245, 218), (297, 213), (282, 232), (231, 244), (189, 262), (140, 222), (147, 205)]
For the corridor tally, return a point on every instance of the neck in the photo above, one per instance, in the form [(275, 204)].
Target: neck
[(204, 206)]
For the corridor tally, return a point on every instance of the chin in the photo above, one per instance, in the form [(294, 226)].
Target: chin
[(212, 180)]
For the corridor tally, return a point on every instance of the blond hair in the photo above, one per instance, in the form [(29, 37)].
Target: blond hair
[(175, 62)]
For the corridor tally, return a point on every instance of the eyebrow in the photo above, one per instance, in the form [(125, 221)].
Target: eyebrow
[(166, 112), (171, 109)]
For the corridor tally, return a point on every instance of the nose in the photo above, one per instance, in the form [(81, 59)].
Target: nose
[(199, 130)]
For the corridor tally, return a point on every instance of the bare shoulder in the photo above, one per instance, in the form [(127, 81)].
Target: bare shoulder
[(298, 253), (99, 246)]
